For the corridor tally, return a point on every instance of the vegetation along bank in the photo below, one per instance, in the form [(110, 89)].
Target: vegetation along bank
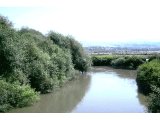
[(148, 81), (32, 63), (118, 61), (148, 74)]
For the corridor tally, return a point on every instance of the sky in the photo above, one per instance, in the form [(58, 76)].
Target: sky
[(91, 22)]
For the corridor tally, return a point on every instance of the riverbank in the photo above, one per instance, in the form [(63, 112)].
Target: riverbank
[(32, 63), (103, 89), (148, 81), (119, 61)]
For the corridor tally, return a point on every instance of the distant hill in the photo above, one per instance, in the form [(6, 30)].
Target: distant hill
[(114, 43), (126, 48), (138, 45)]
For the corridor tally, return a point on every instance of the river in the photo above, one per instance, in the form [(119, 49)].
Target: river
[(104, 90)]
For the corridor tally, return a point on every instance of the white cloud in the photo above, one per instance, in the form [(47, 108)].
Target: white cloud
[(96, 20)]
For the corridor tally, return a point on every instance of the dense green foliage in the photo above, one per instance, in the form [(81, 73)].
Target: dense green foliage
[(148, 74), (28, 58), (14, 95), (154, 100), (126, 62), (148, 81), (80, 59), (100, 60), (154, 56)]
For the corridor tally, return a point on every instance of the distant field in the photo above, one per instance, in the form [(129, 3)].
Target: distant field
[(119, 61), (119, 55)]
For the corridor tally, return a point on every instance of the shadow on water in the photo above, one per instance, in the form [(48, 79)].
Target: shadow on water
[(62, 100)]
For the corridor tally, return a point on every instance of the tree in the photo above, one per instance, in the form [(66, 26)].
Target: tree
[(80, 59)]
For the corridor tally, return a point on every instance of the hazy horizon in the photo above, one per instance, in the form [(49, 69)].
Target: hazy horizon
[(92, 22)]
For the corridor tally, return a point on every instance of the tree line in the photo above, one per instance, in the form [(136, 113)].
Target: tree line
[(148, 81), (148, 74), (32, 63), (118, 61)]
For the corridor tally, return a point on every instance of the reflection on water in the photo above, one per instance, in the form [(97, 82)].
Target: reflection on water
[(112, 90), (143, 100), (104, 89), (131, 74), (62, 100)]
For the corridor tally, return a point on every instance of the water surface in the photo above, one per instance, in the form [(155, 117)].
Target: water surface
[(104, 89)]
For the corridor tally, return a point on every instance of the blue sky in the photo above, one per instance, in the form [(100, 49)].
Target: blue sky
[(92, 22)]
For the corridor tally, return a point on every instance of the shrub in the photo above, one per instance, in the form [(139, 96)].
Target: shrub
[(128, 62), (28, 58), (7, 50), (154, 100), (12, 54), (14, 95), (5, 23), (118, 63), (132, 62), (102, 60), (48, 66), (148, 74), (155, 56), (80, 59)]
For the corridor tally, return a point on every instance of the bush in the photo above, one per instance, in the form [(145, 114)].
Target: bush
[(148, 81), (48, 66), (80, 59), (102, 60), (14, 95), (128, 62), (148, 74), (12, 54), (154, 100), (4, 22), (155, 56), (132, 62), (29, 58), (118, 63), (125, 62)]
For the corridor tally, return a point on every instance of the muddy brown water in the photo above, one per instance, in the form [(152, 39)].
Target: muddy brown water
[(104, 89)]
